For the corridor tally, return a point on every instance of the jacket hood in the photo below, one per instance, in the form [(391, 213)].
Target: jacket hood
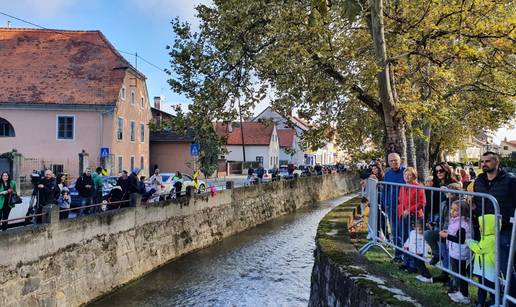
[(487, 224)]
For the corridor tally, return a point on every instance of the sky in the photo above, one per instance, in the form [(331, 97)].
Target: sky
[(141, 26)]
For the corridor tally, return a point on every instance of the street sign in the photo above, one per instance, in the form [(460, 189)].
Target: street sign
[(104, 152), (195, 149)]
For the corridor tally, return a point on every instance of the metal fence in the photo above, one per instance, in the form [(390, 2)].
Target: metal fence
[(461, 228)]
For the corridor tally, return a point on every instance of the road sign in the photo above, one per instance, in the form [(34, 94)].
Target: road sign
[(104, 152), (195, 149)]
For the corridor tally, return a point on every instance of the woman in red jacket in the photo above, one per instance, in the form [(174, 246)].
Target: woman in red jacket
[(411, 202)]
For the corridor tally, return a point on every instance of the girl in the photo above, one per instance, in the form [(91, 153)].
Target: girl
[(458, 231), (64, 203), (7, 189), (416, 245)]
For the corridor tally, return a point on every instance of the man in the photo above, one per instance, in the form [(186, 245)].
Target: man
[(98, 186), (46, 190), (502, 186), (85, 188), (390, 203), (123, 183), (259, 172), (133, 185), (156, 181)]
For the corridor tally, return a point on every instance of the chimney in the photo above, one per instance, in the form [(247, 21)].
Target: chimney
[(157, 102), (8, 24)]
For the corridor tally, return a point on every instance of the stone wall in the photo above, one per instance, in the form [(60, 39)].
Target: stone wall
[(71, 262)]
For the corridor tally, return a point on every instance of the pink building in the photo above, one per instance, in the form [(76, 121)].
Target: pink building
[(62, 92)]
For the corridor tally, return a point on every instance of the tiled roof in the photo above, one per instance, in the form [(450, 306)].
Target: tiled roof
[(59, 67), (254, 133), (286, 137), (512, 143)]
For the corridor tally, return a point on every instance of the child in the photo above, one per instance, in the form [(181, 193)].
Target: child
[(416, 245), (458, 231), (64, 203), (484, 261)]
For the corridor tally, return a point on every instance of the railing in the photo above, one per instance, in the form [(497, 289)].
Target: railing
[(407, 217), (507, 295)]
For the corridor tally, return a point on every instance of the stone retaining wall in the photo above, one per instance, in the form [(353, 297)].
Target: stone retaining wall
[(71, 262)]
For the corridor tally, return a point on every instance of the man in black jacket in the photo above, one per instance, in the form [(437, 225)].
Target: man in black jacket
[(45, 190), (502, 186), (85, 189)]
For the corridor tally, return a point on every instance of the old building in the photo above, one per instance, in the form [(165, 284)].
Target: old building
[(63, 92)]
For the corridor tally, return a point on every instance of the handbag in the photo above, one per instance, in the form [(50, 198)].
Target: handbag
[(16, 199)]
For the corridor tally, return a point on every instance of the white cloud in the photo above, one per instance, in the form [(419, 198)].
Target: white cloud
[(38, 8)]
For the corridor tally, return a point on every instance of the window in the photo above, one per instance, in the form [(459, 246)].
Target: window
[(120, 164), (142, 133), (132, 163), (122, 93), (133, 127), (259, 159), (120, 129), (57, 168), (504, 148), (6, 130), (142, 102), (132, 97), (271, 161), (142, 160), (65, 127)]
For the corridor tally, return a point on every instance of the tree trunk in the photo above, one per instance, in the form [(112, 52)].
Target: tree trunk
[(411, 149), (394, 123), (423, 152)]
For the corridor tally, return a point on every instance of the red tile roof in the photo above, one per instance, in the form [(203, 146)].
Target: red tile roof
[(254, 133), (513, 143), (59, 67), (286, 137)]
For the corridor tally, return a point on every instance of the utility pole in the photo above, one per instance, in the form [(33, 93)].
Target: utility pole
[(241, 129)]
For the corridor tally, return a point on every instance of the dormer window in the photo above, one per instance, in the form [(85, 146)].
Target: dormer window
[(122, 93)]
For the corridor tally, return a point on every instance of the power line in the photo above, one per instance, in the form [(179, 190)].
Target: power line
[(101, 46)]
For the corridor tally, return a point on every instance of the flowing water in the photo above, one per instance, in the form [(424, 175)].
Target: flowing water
[(269, 265)]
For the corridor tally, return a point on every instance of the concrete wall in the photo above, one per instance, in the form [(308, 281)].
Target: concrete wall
[(71, 262), (171, 157)]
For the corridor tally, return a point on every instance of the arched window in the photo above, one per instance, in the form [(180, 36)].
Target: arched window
[(6, 129)]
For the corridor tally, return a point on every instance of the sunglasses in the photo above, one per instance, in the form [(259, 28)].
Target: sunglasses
[(440, 170)]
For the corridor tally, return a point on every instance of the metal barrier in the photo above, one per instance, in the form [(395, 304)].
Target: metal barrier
[(507, 297), (407, 217)]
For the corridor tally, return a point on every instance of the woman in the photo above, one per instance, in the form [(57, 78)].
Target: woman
[(465, 178), (377, 170), (442, 177), (7, 189)]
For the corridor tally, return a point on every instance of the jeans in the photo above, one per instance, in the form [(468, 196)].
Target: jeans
[(421, 267), (394, 224), (86, 201), (6, 209), (402, 236), (457, 265)]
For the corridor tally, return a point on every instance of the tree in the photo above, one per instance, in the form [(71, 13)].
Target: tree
[(420, 65)]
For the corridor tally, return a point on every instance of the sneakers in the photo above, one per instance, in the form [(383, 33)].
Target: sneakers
[(422, 278), (457, 297)]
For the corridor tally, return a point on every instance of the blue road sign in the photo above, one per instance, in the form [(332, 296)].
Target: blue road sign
[(104, 152), (195, 149)]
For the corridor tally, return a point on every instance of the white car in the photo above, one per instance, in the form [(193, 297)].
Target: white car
[(168, 191)]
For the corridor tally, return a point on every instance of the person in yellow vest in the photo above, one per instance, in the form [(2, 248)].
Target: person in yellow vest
[(195, 181)]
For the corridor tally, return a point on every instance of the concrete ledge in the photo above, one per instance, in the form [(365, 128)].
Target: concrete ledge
[(341, 276)]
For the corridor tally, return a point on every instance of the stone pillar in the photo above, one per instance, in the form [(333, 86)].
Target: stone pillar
[(17, 168), (83, 161), (52, 216)]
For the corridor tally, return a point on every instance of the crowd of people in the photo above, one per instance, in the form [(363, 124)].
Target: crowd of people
[(454, 225)]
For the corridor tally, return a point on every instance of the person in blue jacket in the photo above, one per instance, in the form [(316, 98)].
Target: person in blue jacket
[(390, 202)]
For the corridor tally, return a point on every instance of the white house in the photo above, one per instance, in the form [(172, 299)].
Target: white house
[(261, 142), (290, 151)]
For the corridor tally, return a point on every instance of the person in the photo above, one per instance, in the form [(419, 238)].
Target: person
[(123, 183), (411, 202), (390, 199), (465, 178), (61, 184), (484, 260), (98, 185), (250, 172), (85, 189), (442, 177), (7, 189), (416, 245), (472, 173), (318, 169), (377, 171), (502, 186), (196, 181), (259, 172), (133, 186), (290, 169), (456, 235), (64, 203), (46, 193), (141, 185), (114, 197), (156, 182), (178, 183)]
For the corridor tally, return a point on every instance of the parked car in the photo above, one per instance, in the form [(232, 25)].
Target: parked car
[(305, 170), (283, 172), (269, 176), (168, 182), (108, 182)]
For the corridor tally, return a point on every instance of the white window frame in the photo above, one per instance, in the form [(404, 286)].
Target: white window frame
[(132, 162), (142, 133), (118, 127), (133, 97), (120, 166), (57, 127), (122, 92), (132, 131)]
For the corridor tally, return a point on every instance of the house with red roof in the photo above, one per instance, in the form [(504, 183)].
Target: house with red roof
[(508, 148), (259, 140), (62, 92)]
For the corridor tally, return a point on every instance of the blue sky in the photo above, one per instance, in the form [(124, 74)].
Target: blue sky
[(141, 26)]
